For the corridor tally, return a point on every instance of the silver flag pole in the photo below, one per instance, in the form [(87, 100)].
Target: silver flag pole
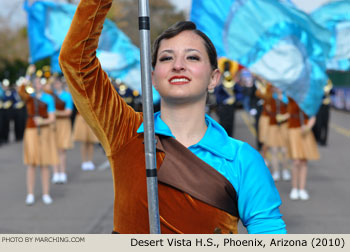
[(148, 118)]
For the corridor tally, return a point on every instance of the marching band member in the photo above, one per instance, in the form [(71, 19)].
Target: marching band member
[(277, 136), (82, 133), (39, 141), (225, 95), (63, 129), (302, 147), (264, 92)]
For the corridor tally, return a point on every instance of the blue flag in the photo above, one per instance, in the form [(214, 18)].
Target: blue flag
[(288, 2), (48, 24), (338, 65), (210, 17), (335, 16), (273, 40)]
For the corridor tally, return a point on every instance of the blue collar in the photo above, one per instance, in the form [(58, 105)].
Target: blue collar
[(284, 97), (215, 139)]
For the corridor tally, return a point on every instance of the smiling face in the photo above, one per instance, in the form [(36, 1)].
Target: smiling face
[(182, 72)]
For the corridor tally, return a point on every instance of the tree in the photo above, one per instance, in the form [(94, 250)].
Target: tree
[(14, 50), (162, 14)]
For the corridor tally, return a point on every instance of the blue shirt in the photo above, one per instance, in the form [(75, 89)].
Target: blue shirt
[(2, 93), (66, 98), (48, 100), (257, 196), (284, 97)]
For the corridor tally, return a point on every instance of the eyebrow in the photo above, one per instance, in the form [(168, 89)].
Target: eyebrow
[(172, 51)]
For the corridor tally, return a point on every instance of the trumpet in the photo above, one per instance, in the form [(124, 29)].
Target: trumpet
[(328, 87), (228, 81)]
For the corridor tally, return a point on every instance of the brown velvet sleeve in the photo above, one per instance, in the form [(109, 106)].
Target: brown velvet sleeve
[(111, 119)]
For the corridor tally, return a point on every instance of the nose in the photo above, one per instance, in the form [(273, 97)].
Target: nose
[(178, 65)]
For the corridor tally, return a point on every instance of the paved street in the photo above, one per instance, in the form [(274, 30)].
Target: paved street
[(327, 211), (85, 204)]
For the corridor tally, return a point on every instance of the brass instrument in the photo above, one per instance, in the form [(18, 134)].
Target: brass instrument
[(233, 69), (228, 81), (7, 104), (228, 84), (327, 89), (229, 70)]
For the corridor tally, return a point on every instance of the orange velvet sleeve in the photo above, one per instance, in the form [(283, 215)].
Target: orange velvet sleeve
[(111, 119)]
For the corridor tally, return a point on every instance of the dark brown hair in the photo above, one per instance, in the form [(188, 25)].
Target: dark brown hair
[(176, 29)]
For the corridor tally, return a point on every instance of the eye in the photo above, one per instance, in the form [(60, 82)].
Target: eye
[(165, 58), (193, 57)]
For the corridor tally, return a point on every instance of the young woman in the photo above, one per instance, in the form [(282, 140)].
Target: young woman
[(63, 129), (277, 136), (264, 92), (82, 133), (39, 140), (207, 180), (302, 147)]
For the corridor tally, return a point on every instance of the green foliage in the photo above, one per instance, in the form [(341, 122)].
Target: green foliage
[(340, 78), (12, 70), (162, 15)]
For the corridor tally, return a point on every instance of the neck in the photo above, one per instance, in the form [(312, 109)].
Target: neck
[(187, 123)]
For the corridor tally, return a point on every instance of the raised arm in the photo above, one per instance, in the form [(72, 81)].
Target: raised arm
[(112, 120)]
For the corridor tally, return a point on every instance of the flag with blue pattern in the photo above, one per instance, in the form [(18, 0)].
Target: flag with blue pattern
[(48, 24), (335, 16), (273, 40)]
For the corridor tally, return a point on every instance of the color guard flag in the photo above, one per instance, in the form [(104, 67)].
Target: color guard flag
[(48, 24), (273, 40), (210, 17), (335, 16)]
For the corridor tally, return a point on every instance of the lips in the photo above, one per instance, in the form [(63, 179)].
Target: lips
[(179, 80)]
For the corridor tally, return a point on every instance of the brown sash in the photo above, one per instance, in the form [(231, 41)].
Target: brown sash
[(59, 104), (185, 185), (41, 111), (186, 172)]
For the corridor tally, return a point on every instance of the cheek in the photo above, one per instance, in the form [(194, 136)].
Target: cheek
[(200, 70), (158, 75), (203, 74)]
